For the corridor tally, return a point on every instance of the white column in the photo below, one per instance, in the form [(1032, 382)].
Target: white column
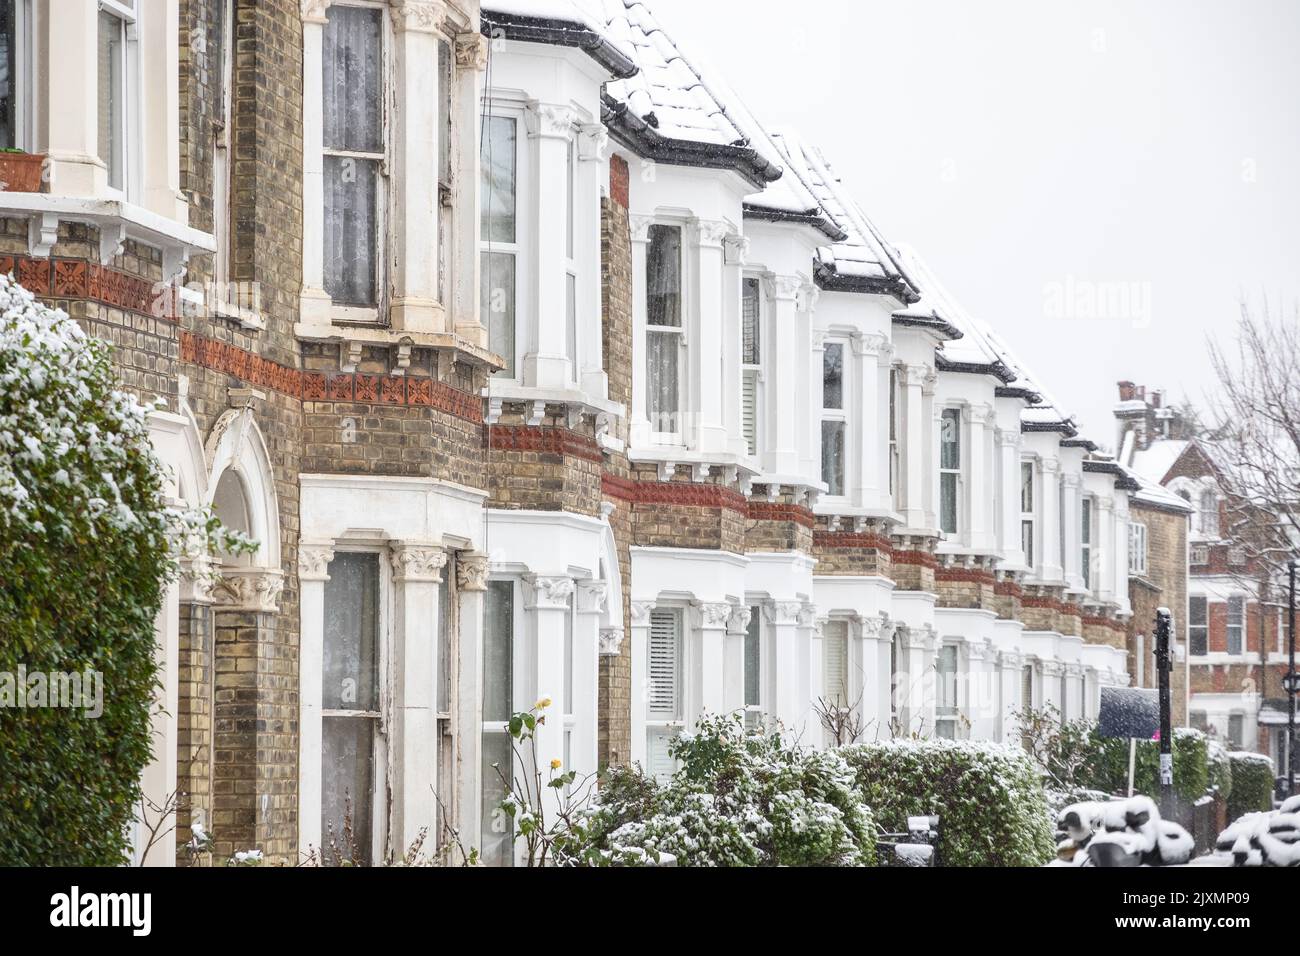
[(314, 302), (914, 454), (734, 654), (72, 37), (313, 572), (870, 421), (709, 350), (917, 690), (158, 779), (1008, 451), (1050, 519), (1070, 503), (471, 584), (783, 623), (416, 142), (982, 492), (1105, 520), (639, 228), (550, 128), (1010, 672), (592, 598), (640, 614), (810, 671), (417, 572), (783, 360), (161, 87), (983, 695), (592, 169), (1051, 672), (1074, 690), (548, 598), (877, 639), (708, 661), (471, 59), (808, 386)]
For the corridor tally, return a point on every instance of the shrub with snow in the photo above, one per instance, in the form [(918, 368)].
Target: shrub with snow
[(737, 799), (83, 556), (989, 797), (1252, 784)]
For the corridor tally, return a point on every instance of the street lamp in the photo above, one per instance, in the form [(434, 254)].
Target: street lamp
[(1292, 684), (1164, 634)]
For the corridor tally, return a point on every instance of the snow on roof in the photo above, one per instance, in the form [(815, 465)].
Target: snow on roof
[(669, 93), (1157, 495), (577, 23), (1154, 462), (863, 253), (979, 345)]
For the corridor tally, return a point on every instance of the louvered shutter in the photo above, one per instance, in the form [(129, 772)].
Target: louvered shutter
[(749, 409), (835, 661), (665, 654), (659, 763)]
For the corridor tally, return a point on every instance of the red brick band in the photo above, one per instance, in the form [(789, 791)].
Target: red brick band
[(542, 438)]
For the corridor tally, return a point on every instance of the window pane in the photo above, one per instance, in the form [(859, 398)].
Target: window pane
[(948, 503), (946, 665), (753, 666), (1027, 541), (8, 76), (664, 276), (662, 352), (1026, 486), (347, 781), (950, 439), (498, 175), (570, 183), (350, 679), (497, 835), (112, 52), (1236, 624), (351, 225), (444, 112), (497, 303), (749, 309), (446, 631), (833, 376), (498, 651), (353, 81), (833, 457), (571, 322)]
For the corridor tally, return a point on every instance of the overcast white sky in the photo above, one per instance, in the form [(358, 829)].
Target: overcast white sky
[(1022, 145)]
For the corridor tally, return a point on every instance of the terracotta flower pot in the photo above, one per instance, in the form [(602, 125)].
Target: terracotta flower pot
[(21, 172)]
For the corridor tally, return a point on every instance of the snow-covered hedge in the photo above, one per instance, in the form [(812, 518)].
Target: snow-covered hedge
[(83, 552), (1109, 769), (1252, 784), (737, 799), (989, 797), (1218, 768)]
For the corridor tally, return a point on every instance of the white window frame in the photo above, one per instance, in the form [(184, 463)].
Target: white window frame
[(1028, 519), (657, 724), (1137, 548), (131, 110), (838, 415), (518, 676), (675, 436), (895, 432), (952, 413), (1199, 555), (754, 632), (447, 144), (513, 110), (23, 80), (572, 274), (751, 373), (222, 158), (1202, 628), (1238, 601), (947, 712), (370, 315), (1087, 529), (382, 743), (1207, 519)]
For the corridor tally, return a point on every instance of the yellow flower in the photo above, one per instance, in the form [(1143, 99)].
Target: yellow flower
[(542, 704), (555, 765)]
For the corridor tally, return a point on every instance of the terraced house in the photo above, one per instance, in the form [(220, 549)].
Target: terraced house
[(537, 367)]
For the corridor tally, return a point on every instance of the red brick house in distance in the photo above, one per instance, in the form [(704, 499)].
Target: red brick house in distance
[(1235, 637)]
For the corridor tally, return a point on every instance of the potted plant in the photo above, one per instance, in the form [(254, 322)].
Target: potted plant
[(20, 171)]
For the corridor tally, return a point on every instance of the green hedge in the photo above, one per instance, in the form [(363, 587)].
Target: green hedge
[(1219, 769), (989, 797), (83, 552), (1252, 784), (1108, 769)]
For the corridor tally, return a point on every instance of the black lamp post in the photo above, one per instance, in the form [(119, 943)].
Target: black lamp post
[(1292, 683), (1164, 628)]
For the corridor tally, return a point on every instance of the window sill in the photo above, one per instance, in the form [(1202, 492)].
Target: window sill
[(117, 221), (666, 458), (576, 403), (354, 337)]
